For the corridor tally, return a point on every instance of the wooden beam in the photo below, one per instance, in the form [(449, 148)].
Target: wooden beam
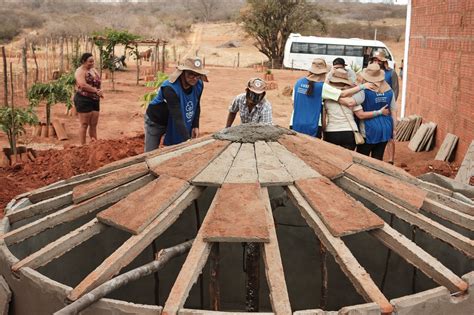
[(270, 170), (415, 255), (361, 280), (466, 171), (154, 161), (215, 173), (451, 202), (129, 250), (273, 266), (42, 207), (59, 247), (187, 311), (244, 168), (449, 214), (73, 212), (439, 231), (293, 164)]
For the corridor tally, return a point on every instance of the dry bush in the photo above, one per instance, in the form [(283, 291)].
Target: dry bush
[(14, 21), (366, 31)]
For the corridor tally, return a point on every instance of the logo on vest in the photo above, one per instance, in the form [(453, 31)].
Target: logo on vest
[(189, 110)]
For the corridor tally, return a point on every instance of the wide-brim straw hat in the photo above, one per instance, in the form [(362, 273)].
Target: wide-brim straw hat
[(190, 64), (340, 76), (373, 73), (380, 55), (319, 66), (257, 85)]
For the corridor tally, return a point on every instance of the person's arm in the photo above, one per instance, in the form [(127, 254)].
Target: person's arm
[(323, 117), (174, 108), (358, 88), (375, 113), (230, 119), (266, 118), (233, 109), (395, 86)]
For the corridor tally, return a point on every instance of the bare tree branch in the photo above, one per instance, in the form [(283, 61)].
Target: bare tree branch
[(90, 298)]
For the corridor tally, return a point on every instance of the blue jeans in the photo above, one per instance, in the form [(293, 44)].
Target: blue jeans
[(153, 134)]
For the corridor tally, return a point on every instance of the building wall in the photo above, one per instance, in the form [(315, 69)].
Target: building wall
[(441, 68)]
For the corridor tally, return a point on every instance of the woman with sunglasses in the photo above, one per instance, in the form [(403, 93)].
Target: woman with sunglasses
[(175, 110)]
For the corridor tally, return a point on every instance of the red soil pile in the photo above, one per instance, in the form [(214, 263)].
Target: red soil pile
[(53, 165)]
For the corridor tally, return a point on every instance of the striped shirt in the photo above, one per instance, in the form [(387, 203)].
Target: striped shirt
[(261, 113)]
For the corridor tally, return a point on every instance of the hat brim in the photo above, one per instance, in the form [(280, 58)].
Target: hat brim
[(201, 72), (316, 77), (340, 80), (319, 71), (256, 91), (175, 75), (373, 79)]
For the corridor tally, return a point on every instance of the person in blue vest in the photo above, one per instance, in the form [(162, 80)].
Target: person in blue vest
[(175, 110), (309, 93), (391, 76), (379, 129)]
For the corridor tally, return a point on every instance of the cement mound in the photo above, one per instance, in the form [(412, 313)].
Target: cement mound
[(251, 133)]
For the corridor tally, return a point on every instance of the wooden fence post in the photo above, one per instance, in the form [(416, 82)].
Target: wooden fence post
[(24, 53), (61, 55), (47, 59), (163, 57), (33, 51), (5, 77)]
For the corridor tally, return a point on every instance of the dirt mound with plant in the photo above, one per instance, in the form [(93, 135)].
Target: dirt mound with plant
[(53, 165)]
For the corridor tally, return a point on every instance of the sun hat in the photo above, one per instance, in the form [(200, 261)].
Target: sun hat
[(373, 73), (194, 64), (256, 85), (340, 76), (319, 66), (380, 55)]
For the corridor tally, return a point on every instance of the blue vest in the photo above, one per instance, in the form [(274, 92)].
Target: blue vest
[(307, 108), (188, 104), (380, 128), (388, 77)]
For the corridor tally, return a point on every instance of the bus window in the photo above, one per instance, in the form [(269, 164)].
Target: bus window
[(336, 50), (354, 51), (299, 48), (318, 49)]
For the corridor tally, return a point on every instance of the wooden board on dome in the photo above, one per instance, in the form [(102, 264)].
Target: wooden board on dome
[(244, 168), (238, 215), (270, 170), (140, 208), (189, 164), (342, 214), (327, 159), (405, 194), (215, 173)]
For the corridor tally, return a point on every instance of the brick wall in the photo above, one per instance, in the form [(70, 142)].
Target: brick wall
[(441, 68)]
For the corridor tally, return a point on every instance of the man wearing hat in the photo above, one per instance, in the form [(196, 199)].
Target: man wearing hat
[(176, 108), (391, 76), (310, 91), (340, 63), (252, 105)]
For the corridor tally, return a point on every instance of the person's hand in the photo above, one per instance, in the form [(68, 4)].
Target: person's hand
[(100, 93), (385, 110), (371, 86), (195, 133)]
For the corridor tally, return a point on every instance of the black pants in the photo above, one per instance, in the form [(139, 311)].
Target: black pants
[(374, 150), (343, 138)]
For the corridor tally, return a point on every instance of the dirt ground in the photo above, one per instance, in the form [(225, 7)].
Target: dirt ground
[(121, 118)]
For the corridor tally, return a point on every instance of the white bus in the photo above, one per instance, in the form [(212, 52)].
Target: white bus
[(301, 50)]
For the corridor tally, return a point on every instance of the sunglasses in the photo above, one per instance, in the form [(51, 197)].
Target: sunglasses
[(193, 75)]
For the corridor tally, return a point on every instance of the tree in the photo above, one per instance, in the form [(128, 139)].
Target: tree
[(270, 22), (203, 9), (13, 121)]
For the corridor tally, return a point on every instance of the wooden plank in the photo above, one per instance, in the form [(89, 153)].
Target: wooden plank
[(270, 170), (73, 212), (446, 147), (5, 296), (129, 250), (140, 208), (273, 265), (384, 167), (466, 171), (342, 214), (153, 161), (42, 207), (437, 230), (361, 280), (449, 214), (415, 255), (215, 173), (190, 271), (60, 132), (61, 246), (293, 164), (418, 138), (244, 168), (191, 163), (458, 205), (238, 215), (108, 182), (405, 194), (327, 159)]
